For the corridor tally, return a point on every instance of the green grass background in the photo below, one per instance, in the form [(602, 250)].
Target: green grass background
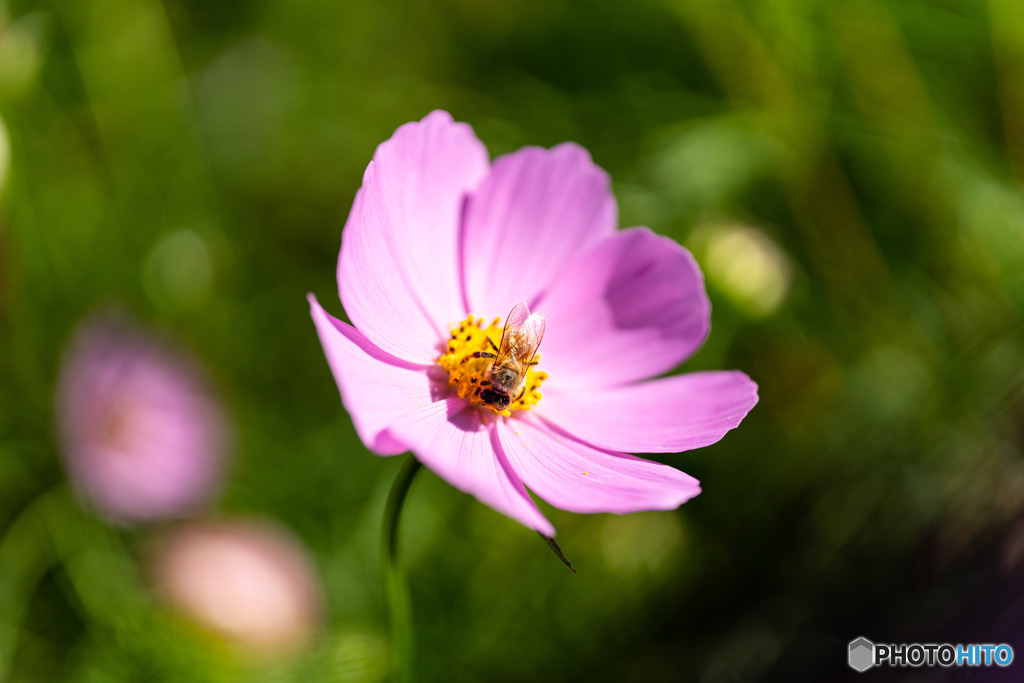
[(194, 161)]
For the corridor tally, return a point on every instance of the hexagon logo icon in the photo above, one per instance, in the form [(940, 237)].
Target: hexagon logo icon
[(862, 654)]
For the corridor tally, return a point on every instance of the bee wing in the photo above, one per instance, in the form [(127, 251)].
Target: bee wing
[(534, 326), (519, 314), (521, 337)]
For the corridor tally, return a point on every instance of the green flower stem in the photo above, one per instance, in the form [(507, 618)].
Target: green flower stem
[(26, 554), (396, 589)]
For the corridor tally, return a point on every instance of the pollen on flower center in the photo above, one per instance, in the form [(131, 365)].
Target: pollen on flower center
[(467, 368)]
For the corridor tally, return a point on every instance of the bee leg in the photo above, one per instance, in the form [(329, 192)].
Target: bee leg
[(485, 383), (532, 363), (521, 393), (479, 354), (493, 345)]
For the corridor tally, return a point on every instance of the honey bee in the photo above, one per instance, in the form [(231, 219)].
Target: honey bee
[(505, 378)]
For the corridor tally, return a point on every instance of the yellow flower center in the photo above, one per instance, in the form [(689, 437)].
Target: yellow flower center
[(466, 371)]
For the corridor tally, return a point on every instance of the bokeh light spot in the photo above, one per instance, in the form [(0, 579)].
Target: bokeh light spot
[(178, 273)]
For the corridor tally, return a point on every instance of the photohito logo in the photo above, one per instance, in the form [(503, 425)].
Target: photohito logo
[(863, 654)]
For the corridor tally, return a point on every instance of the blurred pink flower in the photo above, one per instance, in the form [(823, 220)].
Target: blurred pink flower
[(247, 581), (141, 435), (436, 232)]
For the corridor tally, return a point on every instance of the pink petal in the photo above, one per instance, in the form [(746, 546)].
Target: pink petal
[(661, 416), (398, 273), (632, 307), (573, 476), (375, 387), (535, 210), (452, 440)]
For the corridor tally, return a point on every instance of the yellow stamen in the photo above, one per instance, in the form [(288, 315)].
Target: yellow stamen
[(465, 372)]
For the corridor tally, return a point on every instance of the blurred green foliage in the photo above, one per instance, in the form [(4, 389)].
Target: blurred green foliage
[(196, 161)]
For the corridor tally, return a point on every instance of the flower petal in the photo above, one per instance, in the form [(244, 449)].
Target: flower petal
[(535, 209), (632, 307), (375, 387), (398, 273), (452, 440), (577, 477), (661, 416)]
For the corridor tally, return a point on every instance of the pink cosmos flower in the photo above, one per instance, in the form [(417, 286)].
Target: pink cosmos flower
[(141, 435), (437, 235)]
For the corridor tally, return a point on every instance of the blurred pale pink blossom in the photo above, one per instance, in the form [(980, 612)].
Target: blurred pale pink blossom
[(141, 434), (247, 581)]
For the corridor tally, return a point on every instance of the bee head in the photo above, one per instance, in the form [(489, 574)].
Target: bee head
[(493, 398)]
